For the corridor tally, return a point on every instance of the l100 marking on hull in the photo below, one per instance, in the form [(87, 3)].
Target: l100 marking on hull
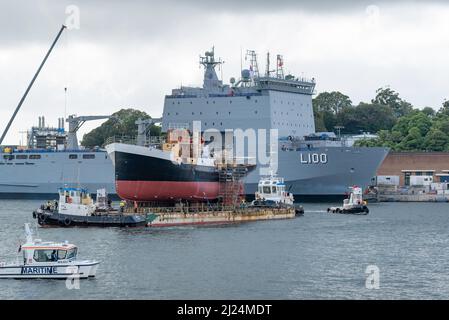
[(313, 158)]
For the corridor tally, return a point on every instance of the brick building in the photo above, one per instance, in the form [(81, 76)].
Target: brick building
[(406, 164)]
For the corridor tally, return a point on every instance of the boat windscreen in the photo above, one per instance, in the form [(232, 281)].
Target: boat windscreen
[(71, 254)]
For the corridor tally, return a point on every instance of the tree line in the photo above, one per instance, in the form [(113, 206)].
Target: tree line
[(398, 124), (122, 123)]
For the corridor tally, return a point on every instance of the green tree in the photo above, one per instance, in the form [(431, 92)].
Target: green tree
[(415, 119), (444, 110), (413, 141), (326, 106), (122, 123), (388, 97), (319, 121), (333, 102), (366, 117), (441, 122), (436, 140), (421, 121), (428, 111)]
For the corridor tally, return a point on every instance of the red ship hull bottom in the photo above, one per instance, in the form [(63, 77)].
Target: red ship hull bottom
[(167, 190)]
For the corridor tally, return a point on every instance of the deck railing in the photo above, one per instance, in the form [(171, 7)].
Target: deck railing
[(152, 140)]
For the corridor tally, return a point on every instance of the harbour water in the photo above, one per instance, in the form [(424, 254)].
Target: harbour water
[(317, 256)]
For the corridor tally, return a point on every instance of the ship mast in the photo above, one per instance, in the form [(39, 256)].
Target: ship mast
[(210, 76), (30, 85), (280, 67), (253, 63)]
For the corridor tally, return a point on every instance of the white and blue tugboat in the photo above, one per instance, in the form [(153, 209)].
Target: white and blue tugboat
[(49, 260), (77, 208), (353, 205), (271, 192)]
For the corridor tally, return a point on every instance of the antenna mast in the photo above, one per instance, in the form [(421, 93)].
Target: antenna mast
[(253, 63), (30, 85), (267, 71), (280, 67)]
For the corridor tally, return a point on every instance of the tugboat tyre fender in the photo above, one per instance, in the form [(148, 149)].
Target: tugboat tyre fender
[(67, 222), (41, 218)]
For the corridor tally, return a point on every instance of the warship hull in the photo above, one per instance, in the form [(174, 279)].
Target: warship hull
[(144, 174), (324, 180), (39, 174), (141, 173), (40, 179)]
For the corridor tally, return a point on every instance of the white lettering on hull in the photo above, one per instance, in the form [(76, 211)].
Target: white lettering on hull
[(313, 158)]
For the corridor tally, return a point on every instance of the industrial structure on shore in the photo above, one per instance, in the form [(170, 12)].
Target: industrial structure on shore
[(414, 176)]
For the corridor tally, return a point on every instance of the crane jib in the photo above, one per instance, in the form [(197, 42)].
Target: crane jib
[(30, 85)]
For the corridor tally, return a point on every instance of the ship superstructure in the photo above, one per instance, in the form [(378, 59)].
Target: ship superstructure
[(51, 159), (314, 164)]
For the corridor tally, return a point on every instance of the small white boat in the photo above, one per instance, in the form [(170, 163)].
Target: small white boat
[(353, 205), (49, 260), (271, 191)]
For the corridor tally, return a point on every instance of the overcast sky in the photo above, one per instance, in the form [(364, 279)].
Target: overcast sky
[(132, 53)]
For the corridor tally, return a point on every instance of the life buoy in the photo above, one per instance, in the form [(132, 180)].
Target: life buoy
[(42, 218)]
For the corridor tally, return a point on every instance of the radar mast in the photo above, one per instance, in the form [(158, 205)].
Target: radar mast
[(210, 76)]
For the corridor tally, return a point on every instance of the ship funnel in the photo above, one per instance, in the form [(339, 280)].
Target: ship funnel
[(60, 123), (40, 123), (43, 122)]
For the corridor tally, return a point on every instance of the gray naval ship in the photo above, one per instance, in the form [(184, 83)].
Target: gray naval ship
[(313, 164), (51, 159)]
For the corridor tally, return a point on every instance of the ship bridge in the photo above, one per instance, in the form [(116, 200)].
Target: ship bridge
[(268, 101)]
